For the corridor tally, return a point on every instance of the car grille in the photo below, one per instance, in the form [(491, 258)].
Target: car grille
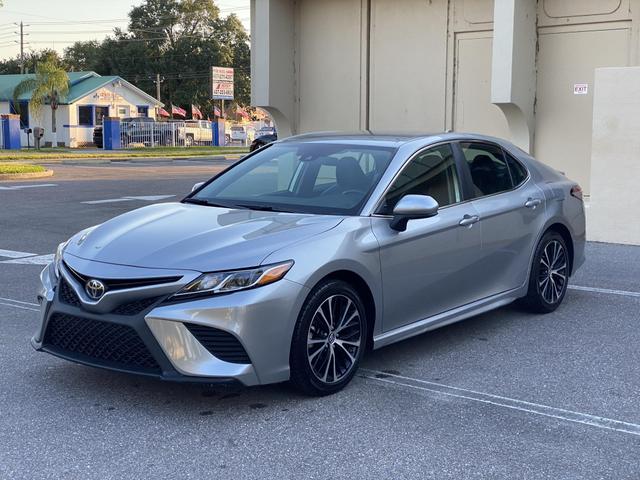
[(122, 283), (220, 344), (102, 342), (67, 295), (134, 308)]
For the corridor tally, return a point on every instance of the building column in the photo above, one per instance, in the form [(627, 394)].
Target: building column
[(273, 86), (513, 72)]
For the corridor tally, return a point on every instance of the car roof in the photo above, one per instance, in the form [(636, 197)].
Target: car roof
[(395, 140)]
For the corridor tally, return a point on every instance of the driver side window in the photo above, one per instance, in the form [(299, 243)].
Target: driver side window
[(432, 172)]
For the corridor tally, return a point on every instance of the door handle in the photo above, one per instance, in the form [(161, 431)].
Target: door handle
[(469, 220), (532, 203)]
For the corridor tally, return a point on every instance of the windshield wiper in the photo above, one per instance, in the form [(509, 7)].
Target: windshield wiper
[(206, 203), (263, 208)]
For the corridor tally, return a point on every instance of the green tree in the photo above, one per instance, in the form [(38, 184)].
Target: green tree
[(49, 85), (31, 60), (178, 39), (82, 56)]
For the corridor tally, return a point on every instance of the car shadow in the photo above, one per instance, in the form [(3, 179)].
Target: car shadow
[(110, 391)]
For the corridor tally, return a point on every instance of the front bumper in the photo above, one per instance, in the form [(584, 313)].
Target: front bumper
[(165, 340)]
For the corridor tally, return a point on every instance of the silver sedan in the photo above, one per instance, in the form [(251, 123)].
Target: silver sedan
[(293, 262)]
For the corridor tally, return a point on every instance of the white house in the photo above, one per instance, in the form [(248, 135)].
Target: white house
[(91, 97)]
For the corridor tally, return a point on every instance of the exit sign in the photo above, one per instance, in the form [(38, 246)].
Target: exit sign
[(581, 89)]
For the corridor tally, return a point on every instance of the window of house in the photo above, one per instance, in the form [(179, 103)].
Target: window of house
[(432, 172), (85, 116), (100, 113), (23, 111), (143, 111), (488, 167), (123, 111)]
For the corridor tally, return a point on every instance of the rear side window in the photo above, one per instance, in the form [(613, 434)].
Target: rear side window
[(488, 167), (518, 172)]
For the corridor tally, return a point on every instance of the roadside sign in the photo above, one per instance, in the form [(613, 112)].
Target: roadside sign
[(221, 83), (581, 89)]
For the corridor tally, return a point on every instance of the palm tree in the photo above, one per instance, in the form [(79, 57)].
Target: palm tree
[(49, 85)]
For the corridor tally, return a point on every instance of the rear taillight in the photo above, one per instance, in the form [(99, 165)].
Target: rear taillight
[(576, 191)]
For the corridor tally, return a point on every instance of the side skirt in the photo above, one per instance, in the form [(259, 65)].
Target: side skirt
[(446, 318)]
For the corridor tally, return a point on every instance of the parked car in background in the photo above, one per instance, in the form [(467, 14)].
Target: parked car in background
[(198, 132), (140, 130), (145, 131), (238, 134), (294, 261), (262, 141), (265, 131)]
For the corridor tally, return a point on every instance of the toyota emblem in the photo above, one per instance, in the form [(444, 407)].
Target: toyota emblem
[(95, 289)]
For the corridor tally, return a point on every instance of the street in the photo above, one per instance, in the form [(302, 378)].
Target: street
[(503, 395)]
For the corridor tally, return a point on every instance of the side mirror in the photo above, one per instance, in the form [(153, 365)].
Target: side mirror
[(197, 186), (411, 207)]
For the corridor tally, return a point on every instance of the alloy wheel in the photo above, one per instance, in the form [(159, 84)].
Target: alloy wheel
[(552, 278), (334, 338)]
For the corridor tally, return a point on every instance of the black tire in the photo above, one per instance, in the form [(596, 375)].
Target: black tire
[(547, 290), (339, 373)]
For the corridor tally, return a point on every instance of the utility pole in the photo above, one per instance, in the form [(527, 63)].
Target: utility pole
[(21, 48), (158, 81)]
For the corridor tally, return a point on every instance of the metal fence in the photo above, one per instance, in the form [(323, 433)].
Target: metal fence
[(165, 134)]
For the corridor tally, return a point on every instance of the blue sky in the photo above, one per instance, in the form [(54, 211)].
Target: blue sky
[(38, 16)]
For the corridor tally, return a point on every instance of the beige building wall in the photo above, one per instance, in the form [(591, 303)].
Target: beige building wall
[(329, 73), (515, 69), (393, 79)]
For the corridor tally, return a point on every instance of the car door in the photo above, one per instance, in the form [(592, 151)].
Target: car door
[(431, 267), (511, 208)]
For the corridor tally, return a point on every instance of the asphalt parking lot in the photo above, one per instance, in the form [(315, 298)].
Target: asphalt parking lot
[(505, 395)]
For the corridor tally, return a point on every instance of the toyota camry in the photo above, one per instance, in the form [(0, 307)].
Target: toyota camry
[(295, 261)]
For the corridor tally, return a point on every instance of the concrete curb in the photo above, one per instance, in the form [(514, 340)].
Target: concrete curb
[(25, 176), (122, 158), (213, 158)]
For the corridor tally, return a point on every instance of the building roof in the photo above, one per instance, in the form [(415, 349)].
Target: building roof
[(81, 84)]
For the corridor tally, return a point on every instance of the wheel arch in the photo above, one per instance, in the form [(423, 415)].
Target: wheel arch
[(565, 233), (365, 292)]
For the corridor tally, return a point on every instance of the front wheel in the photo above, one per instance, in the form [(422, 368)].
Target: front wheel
[(549, 275), (329, 339)]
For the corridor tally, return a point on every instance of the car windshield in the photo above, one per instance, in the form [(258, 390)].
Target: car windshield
[(319, 178)]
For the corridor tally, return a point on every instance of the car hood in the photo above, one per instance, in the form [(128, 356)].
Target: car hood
[(193, 237)]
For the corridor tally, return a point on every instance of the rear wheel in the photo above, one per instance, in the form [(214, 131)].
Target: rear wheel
[(549, 275), (328, 340)]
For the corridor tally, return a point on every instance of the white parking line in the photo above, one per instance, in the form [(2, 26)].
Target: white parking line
[(22, 307), (18, 301), (624, 293), (34, 260), (20, 187), (14, 254), (505, 402), (144, 198)]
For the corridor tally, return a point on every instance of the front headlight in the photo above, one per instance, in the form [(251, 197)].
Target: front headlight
[(232, 281), (57, 259)]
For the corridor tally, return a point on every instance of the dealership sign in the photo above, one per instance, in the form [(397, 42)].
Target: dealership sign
[(221, 83)]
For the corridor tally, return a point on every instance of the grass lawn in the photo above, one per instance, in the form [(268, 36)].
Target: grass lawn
[(20, 168), (53, 154)]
